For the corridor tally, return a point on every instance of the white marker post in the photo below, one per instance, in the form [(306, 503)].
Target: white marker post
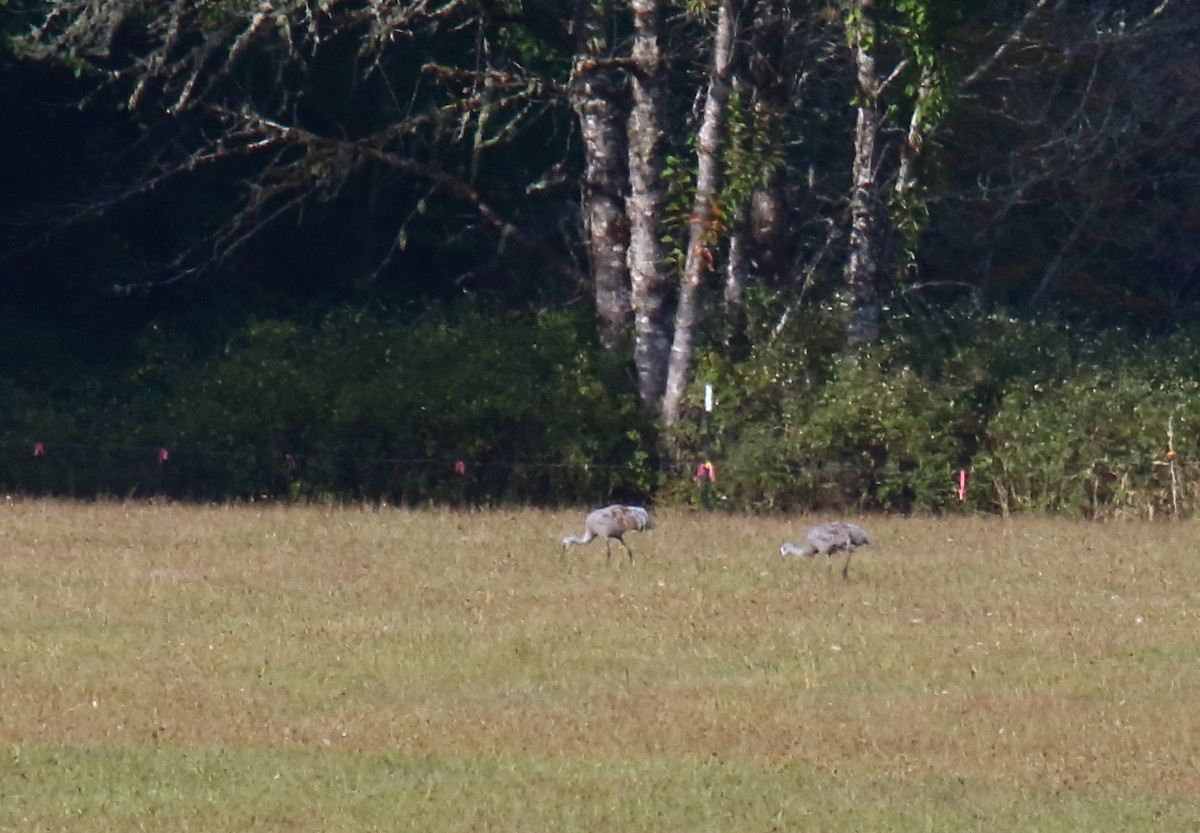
[(706, 483)]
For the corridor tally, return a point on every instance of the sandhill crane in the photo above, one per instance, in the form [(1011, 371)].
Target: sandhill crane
[(830, 538), (612, 522)]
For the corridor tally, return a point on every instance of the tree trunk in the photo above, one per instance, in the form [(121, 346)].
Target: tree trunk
[(865, 271), (701, 232), (594, 97), (645, 205), (739, 265), (906, 176), (757, 244)]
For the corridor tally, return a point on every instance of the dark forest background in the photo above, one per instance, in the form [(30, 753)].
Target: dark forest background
[(482, 252)]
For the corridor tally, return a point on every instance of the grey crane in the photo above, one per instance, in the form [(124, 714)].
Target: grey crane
[(829, 538), (609, 523)]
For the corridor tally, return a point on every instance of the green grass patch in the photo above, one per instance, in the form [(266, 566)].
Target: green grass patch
[(109, 788)]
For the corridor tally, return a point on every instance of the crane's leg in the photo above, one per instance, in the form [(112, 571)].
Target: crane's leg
[(846, 569), (628, 549), (607, 550)]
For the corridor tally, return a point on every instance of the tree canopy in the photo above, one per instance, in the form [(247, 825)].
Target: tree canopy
[(697, 181)]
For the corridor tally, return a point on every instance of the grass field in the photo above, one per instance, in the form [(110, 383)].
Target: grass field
[(173, 667)]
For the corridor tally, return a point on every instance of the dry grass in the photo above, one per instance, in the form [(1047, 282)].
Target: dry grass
[(282, 668)]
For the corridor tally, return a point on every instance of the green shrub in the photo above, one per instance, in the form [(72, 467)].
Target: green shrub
[(379, 406), (1046, 415), (872, 436), (1094, 443), (96, 436)]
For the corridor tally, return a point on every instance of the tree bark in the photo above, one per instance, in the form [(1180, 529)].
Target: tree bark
[(906, 174), (701, 231), (645, 205), (594, 96), (865, 272), (738, 264)]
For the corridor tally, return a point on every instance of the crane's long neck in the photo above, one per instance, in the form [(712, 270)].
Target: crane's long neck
[(587, 536), (791, 549)]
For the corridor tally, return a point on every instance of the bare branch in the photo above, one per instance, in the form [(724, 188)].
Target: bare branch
[(1016, 36)]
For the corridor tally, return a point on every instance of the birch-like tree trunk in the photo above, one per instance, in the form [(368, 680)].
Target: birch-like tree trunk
[(914, 139), (865, 270), (701, 233), (593, 89), (645, 204), (738, 264)]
